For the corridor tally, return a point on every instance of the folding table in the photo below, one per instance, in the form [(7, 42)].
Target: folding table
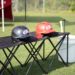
[(59, 43), (7, 43)]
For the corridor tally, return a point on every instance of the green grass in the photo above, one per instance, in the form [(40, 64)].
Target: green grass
[(57, 67)]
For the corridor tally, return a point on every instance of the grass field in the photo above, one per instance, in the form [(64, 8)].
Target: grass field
[(56, 68)]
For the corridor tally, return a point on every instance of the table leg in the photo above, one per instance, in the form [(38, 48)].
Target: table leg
[(58, 49), (67, 48), (8, 60), (10, 56), (4, 68), (55, 46), (15, 57), (34, 56), (35, 51)]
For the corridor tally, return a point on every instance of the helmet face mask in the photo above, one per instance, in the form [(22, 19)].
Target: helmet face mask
[(20, 32)]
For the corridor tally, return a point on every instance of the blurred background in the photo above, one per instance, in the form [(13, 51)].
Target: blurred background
[(30, 12), (43, 6)]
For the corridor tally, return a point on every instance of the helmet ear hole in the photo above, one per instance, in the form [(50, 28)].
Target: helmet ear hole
[(20, 33)]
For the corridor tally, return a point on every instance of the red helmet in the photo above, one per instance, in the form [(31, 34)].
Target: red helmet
[(43, 28)]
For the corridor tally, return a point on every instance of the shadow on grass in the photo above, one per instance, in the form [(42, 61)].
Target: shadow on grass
[(69, 23), (49, 65), (37, 18), (8, 24)]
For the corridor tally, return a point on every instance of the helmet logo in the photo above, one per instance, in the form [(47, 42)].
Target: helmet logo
[(48, 27), (25, 31)]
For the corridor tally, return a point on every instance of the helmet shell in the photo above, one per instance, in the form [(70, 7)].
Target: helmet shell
[(43, 28), (20, 32)]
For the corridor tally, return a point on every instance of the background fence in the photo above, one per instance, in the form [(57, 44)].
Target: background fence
[(43, 5)]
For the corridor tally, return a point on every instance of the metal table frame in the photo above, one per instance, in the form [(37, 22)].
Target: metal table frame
[(33, 51), (55, 48)]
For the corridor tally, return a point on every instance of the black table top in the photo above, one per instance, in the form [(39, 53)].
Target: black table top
[(7, 41)]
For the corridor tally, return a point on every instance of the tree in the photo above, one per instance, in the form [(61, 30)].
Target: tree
[(72, 5), (15, 5)]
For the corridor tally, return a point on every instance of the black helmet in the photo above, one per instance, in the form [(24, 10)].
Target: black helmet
[(20, 32)]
